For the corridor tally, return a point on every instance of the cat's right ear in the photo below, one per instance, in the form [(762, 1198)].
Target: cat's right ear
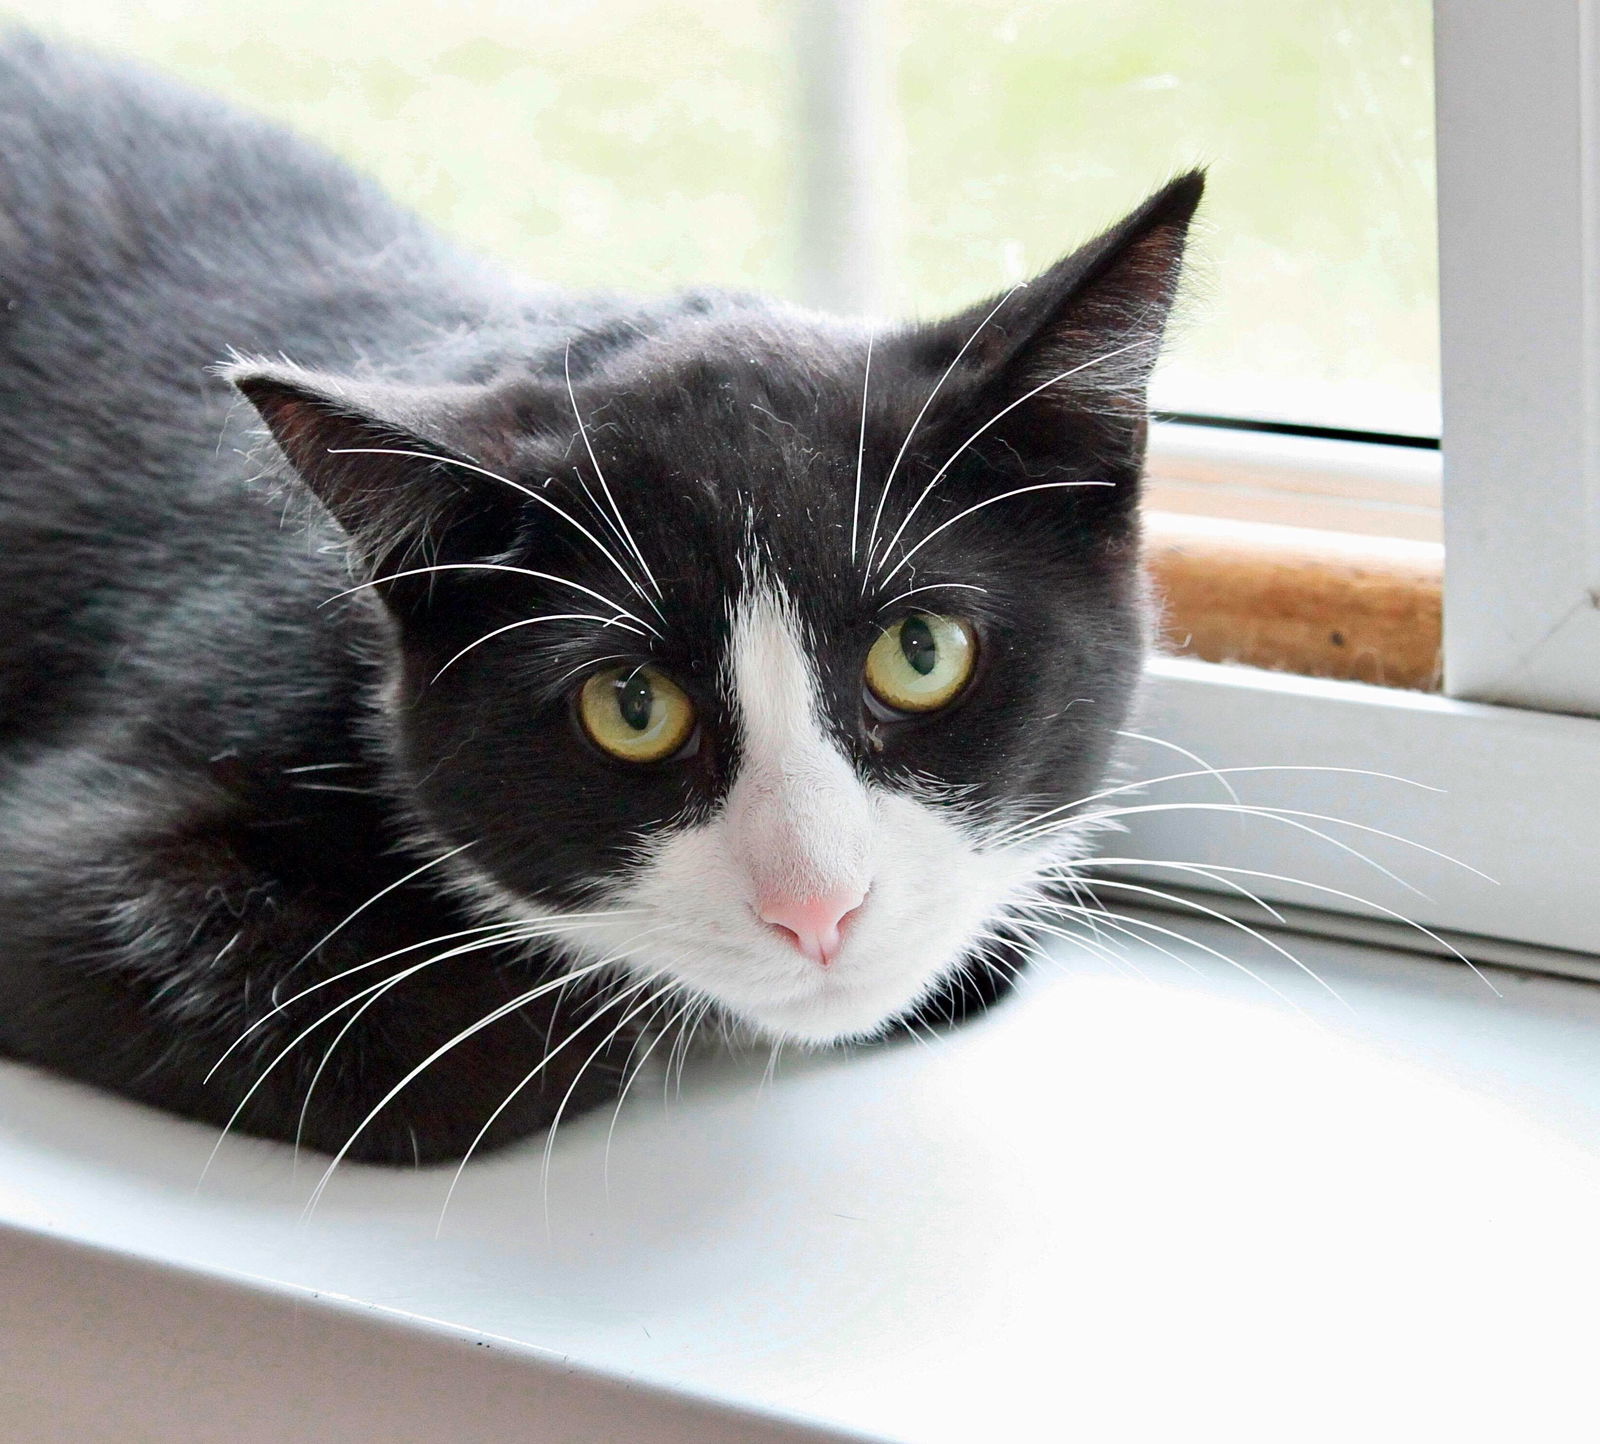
[(397, 467)]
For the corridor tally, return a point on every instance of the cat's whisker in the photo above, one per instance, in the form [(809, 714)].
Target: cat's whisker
[(1215, 870), (370, 993), (1003, 966), (674, 1021), (531, 928), (544, 501), (977, 507), (647, 1035), (932, 587), (610, 960), (377, 897), (526, 491), (524, 934), (1179, 900), (281, 1005), (888, 481), (678, 1051), (1115, 949), (652, 1001), (278, 1005), (960, 451), (1193, 757), (1221, 774), (604, 551), (696, 1022), (1095, 916), (493, 1016), (527, 622), (1289, 817), (1081, 897), (1206, 871), (623, 614), (921, 1034), (616, 511), (1095, 943), (630, 1075), (770, 1072), (586, 665), (1123, 922), (861, 453), (375, 993)]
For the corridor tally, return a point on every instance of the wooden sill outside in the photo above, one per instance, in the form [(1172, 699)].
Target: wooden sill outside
[(1293, 599)]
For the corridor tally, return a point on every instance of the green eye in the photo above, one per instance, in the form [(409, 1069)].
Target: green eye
[(922, 662), (636, 713)]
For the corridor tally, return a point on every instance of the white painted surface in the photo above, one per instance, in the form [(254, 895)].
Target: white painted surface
[(1347, 486), (1519, 257), (1147, 1206)]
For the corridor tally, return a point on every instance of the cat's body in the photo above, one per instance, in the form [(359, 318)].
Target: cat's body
[(213, 765)]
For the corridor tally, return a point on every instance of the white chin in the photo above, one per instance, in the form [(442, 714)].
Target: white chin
[(832, 1012)]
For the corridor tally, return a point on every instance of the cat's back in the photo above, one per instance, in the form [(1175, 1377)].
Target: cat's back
[(146, 232), (147, 229)]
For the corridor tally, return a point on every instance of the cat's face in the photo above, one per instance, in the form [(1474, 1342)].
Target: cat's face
[(756, 648)]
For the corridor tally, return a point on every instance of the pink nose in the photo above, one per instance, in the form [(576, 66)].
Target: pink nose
[(812, 923)]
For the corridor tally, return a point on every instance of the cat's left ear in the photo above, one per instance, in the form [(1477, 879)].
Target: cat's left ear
[(1062, 364), (400, 468)]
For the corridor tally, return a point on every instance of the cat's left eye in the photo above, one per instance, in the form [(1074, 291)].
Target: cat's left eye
[(636, 713), (922, 662)]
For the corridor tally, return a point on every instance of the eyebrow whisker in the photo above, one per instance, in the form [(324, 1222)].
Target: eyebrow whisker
[(616, 511), (861, 452), (883, 496)]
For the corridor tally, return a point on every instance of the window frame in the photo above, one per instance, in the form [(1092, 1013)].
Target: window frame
[(1517, 90)]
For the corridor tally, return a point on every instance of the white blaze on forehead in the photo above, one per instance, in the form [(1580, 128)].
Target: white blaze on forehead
[(802, 818)]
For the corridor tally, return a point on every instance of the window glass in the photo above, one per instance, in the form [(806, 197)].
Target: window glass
[(1028, 125), (653, 143), (619, 143)]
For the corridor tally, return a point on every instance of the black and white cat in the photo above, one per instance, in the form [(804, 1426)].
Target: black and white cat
[(550, 671)]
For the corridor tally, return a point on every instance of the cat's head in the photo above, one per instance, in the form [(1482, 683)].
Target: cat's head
[(754, 636)]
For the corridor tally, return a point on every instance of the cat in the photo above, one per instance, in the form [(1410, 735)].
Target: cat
[(420, 689)]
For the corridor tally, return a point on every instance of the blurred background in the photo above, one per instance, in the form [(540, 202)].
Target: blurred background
[(900, 157)]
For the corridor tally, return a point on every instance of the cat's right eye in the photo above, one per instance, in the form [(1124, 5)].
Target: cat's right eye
[(638, 714)]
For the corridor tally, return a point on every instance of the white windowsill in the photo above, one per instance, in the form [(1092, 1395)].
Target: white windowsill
[(1131, 1205)]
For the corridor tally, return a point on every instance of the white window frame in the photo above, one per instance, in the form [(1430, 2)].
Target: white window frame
[(1518, 86), (1519, 240)]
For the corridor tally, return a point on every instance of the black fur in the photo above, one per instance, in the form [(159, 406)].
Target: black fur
[(172, 661)]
